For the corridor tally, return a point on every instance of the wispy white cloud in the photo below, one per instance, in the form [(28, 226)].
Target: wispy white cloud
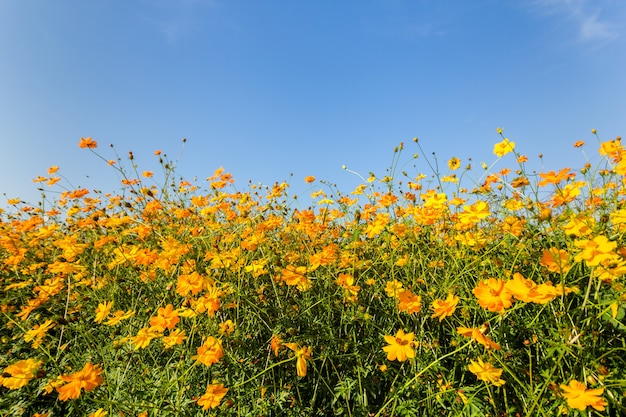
[(178, 19), (592, 19)]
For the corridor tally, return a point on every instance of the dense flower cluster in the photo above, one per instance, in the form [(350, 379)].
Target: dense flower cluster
[(474, 300)]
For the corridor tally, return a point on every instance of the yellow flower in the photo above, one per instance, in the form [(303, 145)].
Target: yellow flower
[(454, 163), (502, 148), (400, 346), (174, 338), (118, 316), (226, 327), (393, 288), (302, 354), (595, 251), (486, 372), (99, 413), (38, 332), (19, 374), (103, 311), (145, 336), (479, 336), (87, 378), (444, 308), (579, 397), (212, 397)]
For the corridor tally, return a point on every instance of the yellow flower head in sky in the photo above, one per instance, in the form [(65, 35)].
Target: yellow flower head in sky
[(502, 148)]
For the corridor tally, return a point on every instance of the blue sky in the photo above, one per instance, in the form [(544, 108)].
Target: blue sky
[(272, 88)]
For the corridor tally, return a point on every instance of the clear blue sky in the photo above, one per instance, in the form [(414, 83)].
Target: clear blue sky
[(270, 88)]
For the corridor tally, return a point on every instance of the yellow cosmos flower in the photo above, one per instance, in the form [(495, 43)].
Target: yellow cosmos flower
[(502, 148), (19, 374), (486, 372), (400, 346), (444, 308), (579, 397)]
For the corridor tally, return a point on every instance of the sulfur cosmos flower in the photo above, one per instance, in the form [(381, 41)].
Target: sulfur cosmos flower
[(400, 346), (579, 397), (454, 163), (444, 308), (210, 352), (213, 396), (103, 311), (87, 378), (502, 148), (87, 143), (166, 318), (492, 295), (302, 354), (19, 374), (486, 372)]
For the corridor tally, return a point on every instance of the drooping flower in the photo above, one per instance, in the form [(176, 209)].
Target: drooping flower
[(486, 372), (302, 355), (579, 397), (400, 346), (444, 308), (478, 335), (87, 378), (212, 396)]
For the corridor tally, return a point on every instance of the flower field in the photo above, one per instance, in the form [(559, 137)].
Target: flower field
[(407, 296)]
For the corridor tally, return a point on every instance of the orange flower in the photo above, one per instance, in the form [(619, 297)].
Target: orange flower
[(444, 308), (400, 346), (408, 302), (579, 397), (492, 295), (275, 344), (309, 178), (87, 378), (210, 352), (166, 318), (212, 397), (294, 276), (87, 143)]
